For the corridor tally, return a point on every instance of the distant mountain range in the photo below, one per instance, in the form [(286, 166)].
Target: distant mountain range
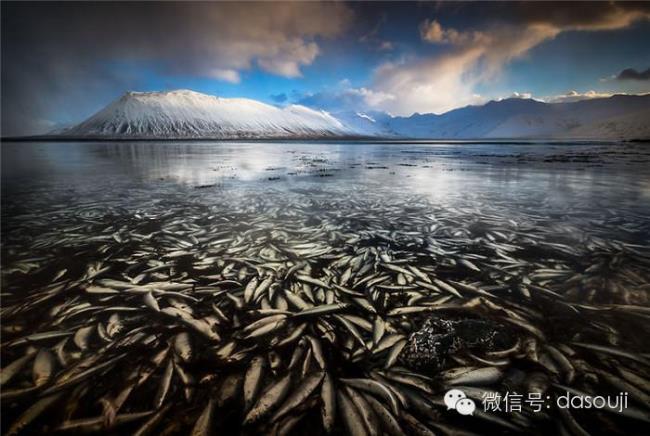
[(616, 117), (187, 114)]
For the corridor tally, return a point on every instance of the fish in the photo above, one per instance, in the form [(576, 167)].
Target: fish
[(389, 422), (14, 368), (377, 389), (204, 422), (366, 412), (165, 384), (328, 403), (97, 424), (151, 302), (44, 365), (253, 380), (32, 413), (350, 414), (230, 388), (300, 394), (183, 346), (473, 376), (149, 426), (258, 313), (269, 399)]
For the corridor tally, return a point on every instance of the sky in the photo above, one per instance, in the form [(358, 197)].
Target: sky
[(62, 62)]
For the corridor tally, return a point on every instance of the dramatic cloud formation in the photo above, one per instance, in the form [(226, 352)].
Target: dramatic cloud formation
[(632, 74), (52, 48), (63, 61), (442, 82)]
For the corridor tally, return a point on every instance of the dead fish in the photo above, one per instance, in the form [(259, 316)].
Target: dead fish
[(366, 412), (165, 384), (149, 426), (114, 326), (32, 413), (613, 351), (328, 403), (44, 364), (204, 422), (300, 394), (10, 371), (183, 346), (377, 389), (269, 400), (473, 376), (97, 424), (230, 389), (389, 422), (151, 302), (253, 380), (317, 350), (322, 310), (82, 336), (351, 417)]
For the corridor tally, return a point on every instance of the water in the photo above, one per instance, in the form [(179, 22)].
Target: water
[(572, 219), (437, 170), (575, 184)]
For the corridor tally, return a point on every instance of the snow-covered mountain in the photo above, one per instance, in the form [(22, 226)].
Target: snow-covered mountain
[(188, 114), (616, 117)]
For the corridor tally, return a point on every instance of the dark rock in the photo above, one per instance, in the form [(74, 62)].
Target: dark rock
[(428, 348)]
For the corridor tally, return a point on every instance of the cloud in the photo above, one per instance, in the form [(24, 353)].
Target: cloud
[(374, 39), (632, 74), (370, 97), (449, 80), (190, 37), (55, 47), (432, 31), (572, 96), (345, 98), (226, 75), (577, 16), (525, 95), (287, 60), (473, 57)]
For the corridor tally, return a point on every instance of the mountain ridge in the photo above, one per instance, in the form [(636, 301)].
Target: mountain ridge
[(528, 118), (186, 114)]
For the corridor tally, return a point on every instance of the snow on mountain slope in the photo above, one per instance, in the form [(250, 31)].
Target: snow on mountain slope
[(616, 117), (629, 126), (365, 123), (189, 114)]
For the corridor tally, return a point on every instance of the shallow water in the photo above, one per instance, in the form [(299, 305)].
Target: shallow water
[(611, 173), (569, 218), (576, 184)]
